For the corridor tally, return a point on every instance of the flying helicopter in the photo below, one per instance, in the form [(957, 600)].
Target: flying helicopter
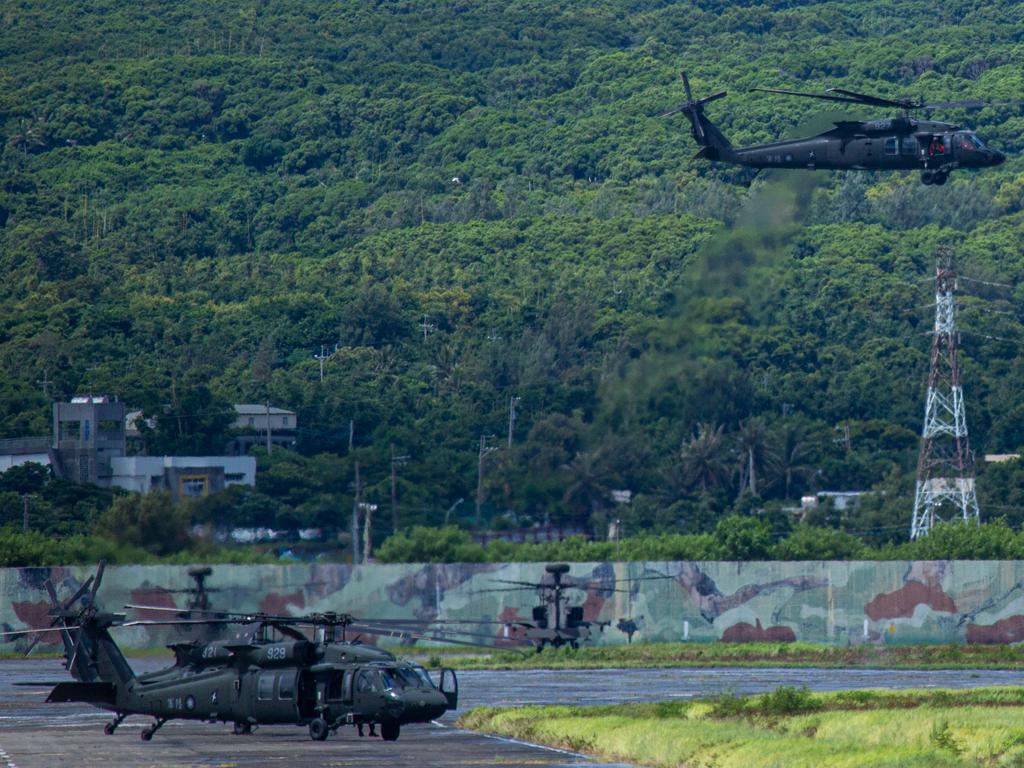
[(268, 672), (894, 143), (556, 622)]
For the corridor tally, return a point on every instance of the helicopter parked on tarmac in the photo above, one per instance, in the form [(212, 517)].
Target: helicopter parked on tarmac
[(268, 672), (893, 143), (556, 622)]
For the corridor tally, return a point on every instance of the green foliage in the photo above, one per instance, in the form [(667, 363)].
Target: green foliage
[(194, 200), (787, 700), (151, 522), (430, 545)]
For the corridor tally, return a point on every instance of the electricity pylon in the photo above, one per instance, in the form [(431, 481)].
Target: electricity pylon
[(945, 464)]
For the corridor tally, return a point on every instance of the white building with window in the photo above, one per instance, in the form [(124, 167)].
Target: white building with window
[(183, 476), (252, 421)]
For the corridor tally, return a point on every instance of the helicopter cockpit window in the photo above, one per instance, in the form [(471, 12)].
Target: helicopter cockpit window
[(390, 679), (286, 686), (367, 682), (425, 680), (969, 141), (890, 146)]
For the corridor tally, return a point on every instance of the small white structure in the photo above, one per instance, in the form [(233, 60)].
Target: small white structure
[(256, 416), (22, 450)]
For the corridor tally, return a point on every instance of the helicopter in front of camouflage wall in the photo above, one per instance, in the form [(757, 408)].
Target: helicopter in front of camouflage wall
[(556, 621), (903, 142), (268, 672)]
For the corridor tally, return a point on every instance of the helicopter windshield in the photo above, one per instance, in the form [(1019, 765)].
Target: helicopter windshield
[(969, 140), (404, 677)]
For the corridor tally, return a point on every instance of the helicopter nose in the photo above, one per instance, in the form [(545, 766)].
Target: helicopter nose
[(996, 158)]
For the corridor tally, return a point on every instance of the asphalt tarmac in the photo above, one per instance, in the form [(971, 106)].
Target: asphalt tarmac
[(38, 735)]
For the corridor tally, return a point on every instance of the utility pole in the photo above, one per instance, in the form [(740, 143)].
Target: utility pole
[(945, 464), (484, 450), (512, 417), (45, 383), (324, 354), (24, 513), (351, 433), (355, 517), (426, 326), (395, 461), (270, 442)]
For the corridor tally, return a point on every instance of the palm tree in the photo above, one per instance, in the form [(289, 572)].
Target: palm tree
[(756, 453), (588, 489), (793, 452), (703, 459)]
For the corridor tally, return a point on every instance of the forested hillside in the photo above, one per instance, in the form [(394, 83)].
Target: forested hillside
[(477, 201)]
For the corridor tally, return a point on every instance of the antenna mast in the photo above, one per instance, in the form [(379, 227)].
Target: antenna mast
[(945, 464)]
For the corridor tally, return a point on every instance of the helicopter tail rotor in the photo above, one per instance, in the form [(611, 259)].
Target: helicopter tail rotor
[(714, 145)]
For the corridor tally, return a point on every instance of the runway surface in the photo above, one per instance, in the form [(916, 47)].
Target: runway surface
[(38, 735)]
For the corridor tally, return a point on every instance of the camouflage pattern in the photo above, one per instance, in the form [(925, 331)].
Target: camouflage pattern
[(822, 602)]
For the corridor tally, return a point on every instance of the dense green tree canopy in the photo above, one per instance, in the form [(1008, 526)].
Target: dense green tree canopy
[(468, 202)]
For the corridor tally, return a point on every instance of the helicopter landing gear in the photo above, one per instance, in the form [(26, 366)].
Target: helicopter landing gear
[(390, 730), (110, 727), (318, 729), (241, 728), (937, 178), (147, 733)]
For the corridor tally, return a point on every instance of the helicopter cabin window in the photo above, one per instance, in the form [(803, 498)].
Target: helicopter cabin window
[(367, 682), (334, 686), (286, 686), (265, 690), (908, 145), (891, 146)]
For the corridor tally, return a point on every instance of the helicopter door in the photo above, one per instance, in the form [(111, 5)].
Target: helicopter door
[(368, 696), (939, 148), (449, 686)]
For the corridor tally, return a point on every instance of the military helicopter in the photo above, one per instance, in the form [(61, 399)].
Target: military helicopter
[(268, 672), (555, 622), (896, 143)]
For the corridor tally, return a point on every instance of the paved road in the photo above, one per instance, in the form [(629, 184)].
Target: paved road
[(36, 735)]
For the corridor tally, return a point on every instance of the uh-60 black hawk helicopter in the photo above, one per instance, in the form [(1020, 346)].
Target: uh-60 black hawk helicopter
[(268, 672), (894, 143)]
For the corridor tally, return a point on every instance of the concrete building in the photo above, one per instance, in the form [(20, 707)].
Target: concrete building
[(252, 421), (87, 433), (89, 442), (183, 476), (22, 450)]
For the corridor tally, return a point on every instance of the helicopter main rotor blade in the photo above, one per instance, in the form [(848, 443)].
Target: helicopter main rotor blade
[(878, 101), (533, 584), (822, 96), (963, 104), (37, 631)]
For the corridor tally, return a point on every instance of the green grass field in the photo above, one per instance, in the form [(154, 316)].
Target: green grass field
[(737, 654), (789, 727)]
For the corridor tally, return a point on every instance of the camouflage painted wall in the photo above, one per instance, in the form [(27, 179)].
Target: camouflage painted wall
[(823, 602)]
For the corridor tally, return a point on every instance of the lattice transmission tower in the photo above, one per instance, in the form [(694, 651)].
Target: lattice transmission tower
[(945, 464)]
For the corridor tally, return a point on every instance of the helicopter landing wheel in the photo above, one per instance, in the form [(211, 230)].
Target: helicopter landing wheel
[(927, 177), (242, 728), (146, 735), (108, 729), (318, 729), (939, 178), (574, 645), (389, 731)]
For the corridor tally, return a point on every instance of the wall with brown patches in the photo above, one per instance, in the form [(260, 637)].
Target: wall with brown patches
[(825, 602)]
